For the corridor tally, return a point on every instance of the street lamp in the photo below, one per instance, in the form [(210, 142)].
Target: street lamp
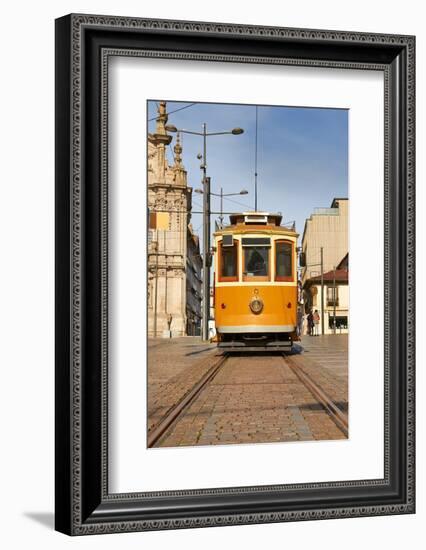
[(221, 195), (206, 216)]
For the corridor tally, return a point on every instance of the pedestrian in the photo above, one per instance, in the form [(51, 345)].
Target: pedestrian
[(299, 329), (310, 323), (316, 321)]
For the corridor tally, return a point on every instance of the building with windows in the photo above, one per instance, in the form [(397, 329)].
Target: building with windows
[(327, 229), (174, 260), (336, 297)]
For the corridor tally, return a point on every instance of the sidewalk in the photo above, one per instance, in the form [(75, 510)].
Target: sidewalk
[(174, 366), (325, 360), (330, 343)]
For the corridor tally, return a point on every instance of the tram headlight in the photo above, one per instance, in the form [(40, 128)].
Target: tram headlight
[(256, 305)]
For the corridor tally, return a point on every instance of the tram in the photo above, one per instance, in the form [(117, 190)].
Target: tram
[(255, 283)]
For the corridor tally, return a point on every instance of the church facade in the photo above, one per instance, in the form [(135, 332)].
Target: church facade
[(174, 259)]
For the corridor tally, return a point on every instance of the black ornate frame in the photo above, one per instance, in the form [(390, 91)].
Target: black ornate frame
[(83, 46)]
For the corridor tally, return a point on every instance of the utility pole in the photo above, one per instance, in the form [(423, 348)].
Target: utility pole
[(322, 291), (334, 300), (206, 242), (206, 258), (255, 169), (221, 208), (206, 218)]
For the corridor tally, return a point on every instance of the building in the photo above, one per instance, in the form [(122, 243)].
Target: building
[(336, 297), (174, 261), (194, 265), (327, 229)]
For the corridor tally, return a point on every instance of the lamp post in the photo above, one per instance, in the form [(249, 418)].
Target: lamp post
[(221, 195), (206, 217)]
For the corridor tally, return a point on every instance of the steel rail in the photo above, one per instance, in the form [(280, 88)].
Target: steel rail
[(338, 417), (158, 431)]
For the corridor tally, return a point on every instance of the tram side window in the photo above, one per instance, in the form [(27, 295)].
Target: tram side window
[(228, 268), (256, 261), (283, 263)]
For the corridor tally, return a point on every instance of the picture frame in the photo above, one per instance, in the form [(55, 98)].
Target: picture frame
[(84, 504)]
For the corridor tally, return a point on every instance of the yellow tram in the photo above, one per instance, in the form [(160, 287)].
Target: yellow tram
[(255, 283)]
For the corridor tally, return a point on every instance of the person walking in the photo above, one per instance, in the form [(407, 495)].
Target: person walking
[(316, 318), (299, 329), (310, 323)]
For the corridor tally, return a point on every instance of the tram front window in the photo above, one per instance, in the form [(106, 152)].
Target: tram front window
[(256, 260)]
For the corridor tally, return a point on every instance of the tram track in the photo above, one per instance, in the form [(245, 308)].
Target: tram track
[(178, 410), (155, 434), (337, 416)]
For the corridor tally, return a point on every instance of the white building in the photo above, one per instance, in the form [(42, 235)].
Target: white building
[(336, 298)]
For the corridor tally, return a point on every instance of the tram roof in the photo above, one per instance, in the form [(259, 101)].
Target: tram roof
[(257, 221), (257, 218)]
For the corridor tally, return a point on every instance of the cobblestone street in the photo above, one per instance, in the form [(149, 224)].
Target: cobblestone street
[(174, 366), (252, 398)]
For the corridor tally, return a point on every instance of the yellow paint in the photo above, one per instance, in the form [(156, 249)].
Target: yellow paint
[(162, 220), (159, 220), (249, 232), (256, 230), (237, 311)]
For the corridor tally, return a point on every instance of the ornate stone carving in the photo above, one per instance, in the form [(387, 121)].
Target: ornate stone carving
[(168, 193)]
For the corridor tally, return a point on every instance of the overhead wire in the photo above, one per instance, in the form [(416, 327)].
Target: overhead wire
[(174, 111), (237, 202), (255, 163)]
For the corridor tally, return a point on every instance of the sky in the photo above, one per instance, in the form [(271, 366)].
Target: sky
[(302, 156)]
